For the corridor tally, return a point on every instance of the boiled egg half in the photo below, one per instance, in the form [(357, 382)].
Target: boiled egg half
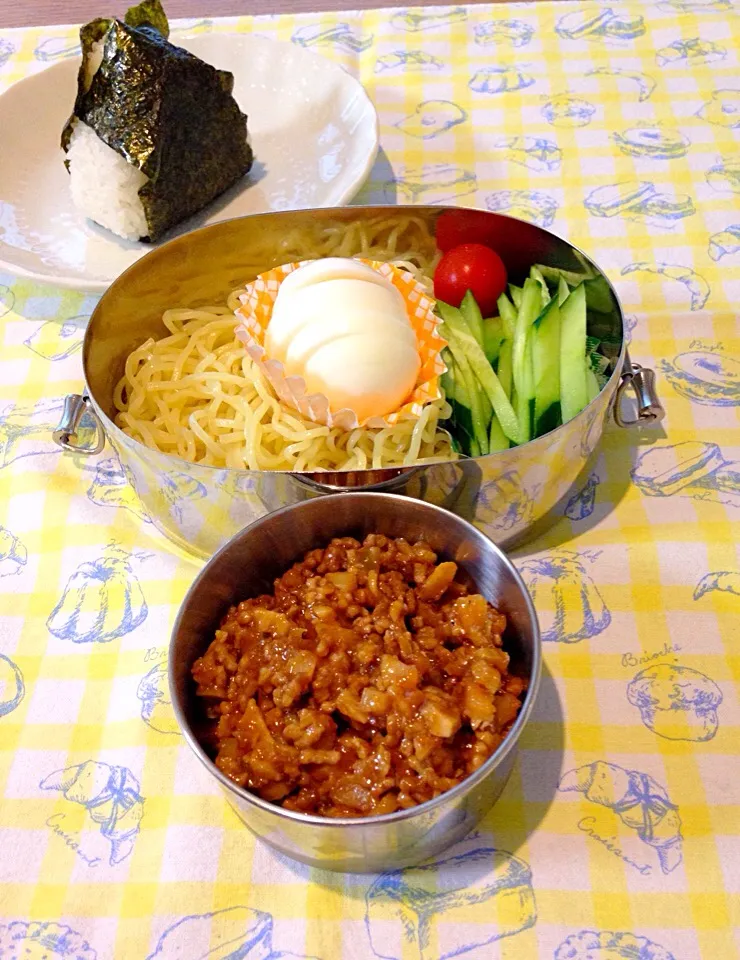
[(343, 328)]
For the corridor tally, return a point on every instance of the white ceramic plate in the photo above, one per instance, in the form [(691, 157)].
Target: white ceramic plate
[(313, 129)]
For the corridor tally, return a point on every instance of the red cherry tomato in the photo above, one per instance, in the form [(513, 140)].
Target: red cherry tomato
[(473, 267), (455, 227)]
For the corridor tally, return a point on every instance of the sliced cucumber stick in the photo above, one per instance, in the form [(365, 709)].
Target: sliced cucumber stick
[(472, 316), (472, 394), (497, 439), (563, 291), (504, 374), (507, 315), (573, 386), (493, 336), (535, 274), (456, 333), (546, 363)]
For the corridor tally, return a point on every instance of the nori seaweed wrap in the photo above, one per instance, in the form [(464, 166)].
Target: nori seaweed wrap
[(165, 112)]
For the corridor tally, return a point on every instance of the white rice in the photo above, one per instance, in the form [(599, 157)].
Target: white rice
[(104, 186), (93, 61)]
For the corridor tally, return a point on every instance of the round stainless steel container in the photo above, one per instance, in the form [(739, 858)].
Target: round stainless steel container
[(247, 565), (199, 507)]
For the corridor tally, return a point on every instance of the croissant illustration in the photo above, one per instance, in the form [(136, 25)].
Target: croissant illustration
[(639, 801), (111, 795)]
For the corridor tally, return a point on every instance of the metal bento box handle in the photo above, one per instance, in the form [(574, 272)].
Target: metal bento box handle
[(65, 435), (641, 380)]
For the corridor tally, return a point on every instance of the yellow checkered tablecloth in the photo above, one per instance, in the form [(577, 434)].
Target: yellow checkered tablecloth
[(618, 835)]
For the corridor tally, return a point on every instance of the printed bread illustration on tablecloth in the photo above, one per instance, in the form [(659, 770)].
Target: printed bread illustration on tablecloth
[(102, 601), (431, 183), (694, 468), (516, 32), (610, 945), (725, 581), (341, 35), (112, 799), (43, 941), (725, 243), (725, 175), (532, 205), (401, 61), (6, 51), (402, 904), (569, 604), (499, 79), (602, 24), (111, 488), (652, 142), (676, 702), (535, 153), (26, 431), (639, 200), (57, 341), (431, 118), (13, 554), (695, 50), (638, 800), (156, 706), (696, 286), (643, 84), (705, 377), (12, 687), (414, 21), (237, 933), (505, 502), (723, 109), (581, 504)]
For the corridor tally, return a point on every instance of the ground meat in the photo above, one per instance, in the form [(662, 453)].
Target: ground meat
[(371, 680)]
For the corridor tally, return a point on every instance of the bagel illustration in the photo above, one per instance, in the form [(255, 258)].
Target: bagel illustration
[(723, 109), (431, 118), (705, 377), (652, 142)]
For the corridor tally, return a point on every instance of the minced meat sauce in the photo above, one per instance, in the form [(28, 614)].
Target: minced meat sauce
[(371, 680)]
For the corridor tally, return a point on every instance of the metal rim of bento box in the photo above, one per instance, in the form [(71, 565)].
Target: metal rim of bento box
[(633, 377)]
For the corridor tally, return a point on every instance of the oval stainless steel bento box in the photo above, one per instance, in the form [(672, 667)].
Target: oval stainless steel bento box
[(247, 566), (199, 507)]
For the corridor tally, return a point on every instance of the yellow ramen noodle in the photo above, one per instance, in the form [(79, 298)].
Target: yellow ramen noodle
[(198, 395)]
